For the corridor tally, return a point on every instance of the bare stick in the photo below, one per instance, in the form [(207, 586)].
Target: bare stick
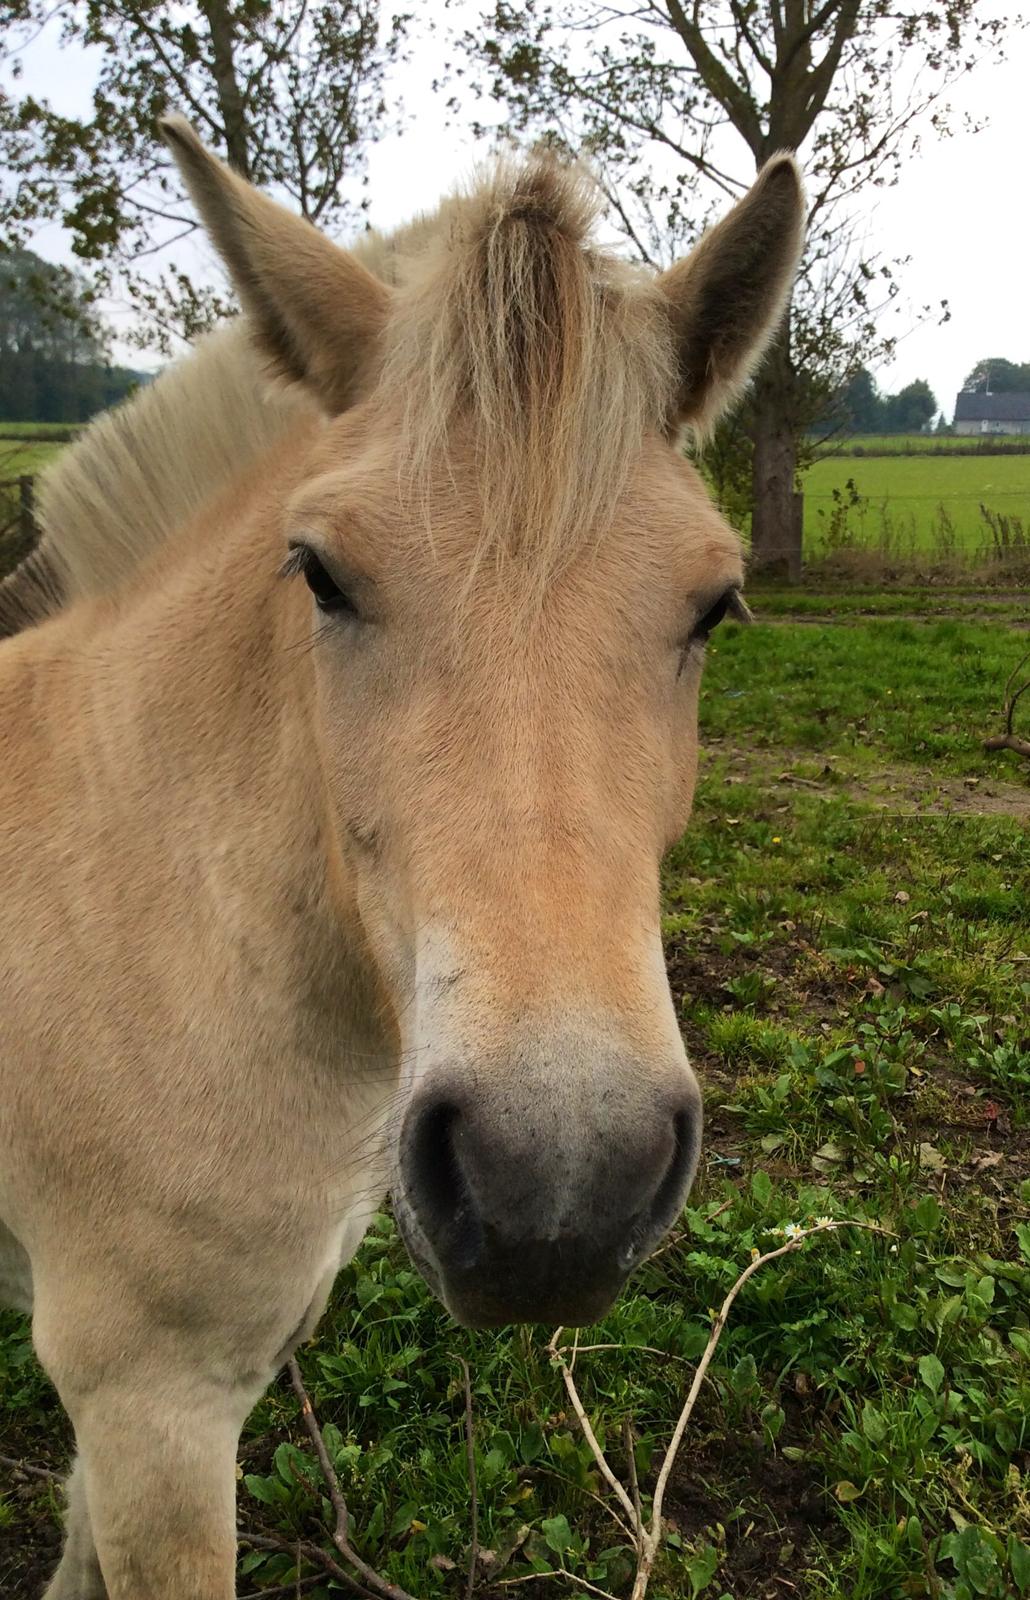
[(606, 1505), (311, 1552), (341, 1539), (283, 1590), (588, 1433), (649, 1538), (33, 1472), (570, 1577), (1009, 740), (631, 1459), (471, 1449)]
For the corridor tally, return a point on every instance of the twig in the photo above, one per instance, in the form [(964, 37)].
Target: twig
[(283, 1591), (311, 1552), (636, 1349), (581, 1488), (369, 1577), (678, 1238), (471, 1450), (1009, 740), (588, 1433), (648, 1539), (34, 1472), (631, 1459), (570, 1577)]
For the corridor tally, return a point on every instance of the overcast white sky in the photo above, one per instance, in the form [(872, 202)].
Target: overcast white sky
[(959, 210)]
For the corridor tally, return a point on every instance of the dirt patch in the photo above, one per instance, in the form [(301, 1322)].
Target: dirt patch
[(902, 790), (30, 1541), (776, 1519)]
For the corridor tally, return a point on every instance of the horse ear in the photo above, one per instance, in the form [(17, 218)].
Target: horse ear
[(728, 296), (317, 312)]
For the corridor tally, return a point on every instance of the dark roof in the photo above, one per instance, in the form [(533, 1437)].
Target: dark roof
[(992, 407)]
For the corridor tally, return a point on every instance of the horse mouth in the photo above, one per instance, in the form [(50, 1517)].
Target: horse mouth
[(547, 1282)]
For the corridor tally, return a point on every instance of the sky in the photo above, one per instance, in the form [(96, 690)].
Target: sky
[(958, 211)]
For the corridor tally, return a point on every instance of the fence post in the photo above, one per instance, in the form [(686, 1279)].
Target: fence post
[(796, 554), (26, 508)]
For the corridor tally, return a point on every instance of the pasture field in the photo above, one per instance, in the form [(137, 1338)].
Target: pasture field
[(890, 444), (847, 927), (17, 459), (57, 431), (902, 499)]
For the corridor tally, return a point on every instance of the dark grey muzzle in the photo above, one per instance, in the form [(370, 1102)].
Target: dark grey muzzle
[(533, 1203)]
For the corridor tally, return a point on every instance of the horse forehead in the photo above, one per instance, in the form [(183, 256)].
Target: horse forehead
[(664, 528)]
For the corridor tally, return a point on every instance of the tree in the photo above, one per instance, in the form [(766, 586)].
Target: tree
[(53, 346), (290, 91), (679, 101), (910, 410), (997, 376), (861, 405)]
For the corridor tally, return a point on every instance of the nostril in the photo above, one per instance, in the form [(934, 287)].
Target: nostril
[(668, 1198), (439, 1190)]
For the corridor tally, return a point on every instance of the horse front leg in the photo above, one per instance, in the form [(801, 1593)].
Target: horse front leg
[(79, 1576), (152, 1499)]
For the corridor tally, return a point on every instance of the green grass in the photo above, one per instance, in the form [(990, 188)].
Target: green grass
[(901, 498), (959, 602), (17, 460), (854, 990), (40, 430), (889, 444), (878, 692)]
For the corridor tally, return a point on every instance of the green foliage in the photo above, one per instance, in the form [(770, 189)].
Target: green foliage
[(289, 97), (999, 376), (861, 408), (53, 363)]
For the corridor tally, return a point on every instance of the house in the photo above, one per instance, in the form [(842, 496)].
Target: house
[(992, 413)]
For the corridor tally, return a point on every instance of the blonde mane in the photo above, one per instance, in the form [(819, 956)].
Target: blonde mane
[(552, 358), (509, 331)]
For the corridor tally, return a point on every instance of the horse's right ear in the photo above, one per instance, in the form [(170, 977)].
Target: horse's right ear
[(317, 312)]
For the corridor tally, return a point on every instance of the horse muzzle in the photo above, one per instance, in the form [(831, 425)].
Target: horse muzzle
[(534, 1203)]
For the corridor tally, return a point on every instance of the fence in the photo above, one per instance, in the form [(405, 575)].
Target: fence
[(17, 520)]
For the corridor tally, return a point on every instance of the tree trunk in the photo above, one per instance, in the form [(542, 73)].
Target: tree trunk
[(230, 97), (775, 513)]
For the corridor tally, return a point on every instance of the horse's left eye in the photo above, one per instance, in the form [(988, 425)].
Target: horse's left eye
[(712, 618), (327, 593)]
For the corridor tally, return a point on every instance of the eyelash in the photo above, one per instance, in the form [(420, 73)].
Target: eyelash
[(330, 599), (730, 603)]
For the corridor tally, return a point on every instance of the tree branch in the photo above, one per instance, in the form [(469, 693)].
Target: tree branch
[(369, 1578)]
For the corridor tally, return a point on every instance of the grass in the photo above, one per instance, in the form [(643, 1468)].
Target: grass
[(904, 496), (18, 460), (816, 599), (890, 444), (55, 431), (869, 694), (854, 989)]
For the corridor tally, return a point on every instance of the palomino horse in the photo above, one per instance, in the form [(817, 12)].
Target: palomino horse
[(341, 741)]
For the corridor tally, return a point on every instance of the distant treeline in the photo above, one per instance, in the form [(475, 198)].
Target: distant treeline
[(861, 408), (53, 347)]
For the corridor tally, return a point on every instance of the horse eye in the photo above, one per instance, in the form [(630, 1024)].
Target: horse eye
[(712, 618), (329, 597)]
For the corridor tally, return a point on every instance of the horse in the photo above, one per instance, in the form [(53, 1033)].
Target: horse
[(349, 704)]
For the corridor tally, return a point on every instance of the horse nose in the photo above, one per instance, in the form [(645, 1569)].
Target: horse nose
[(521, 1214)]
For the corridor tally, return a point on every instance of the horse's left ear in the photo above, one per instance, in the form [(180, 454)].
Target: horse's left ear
[(727, 297), (317, 312)]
